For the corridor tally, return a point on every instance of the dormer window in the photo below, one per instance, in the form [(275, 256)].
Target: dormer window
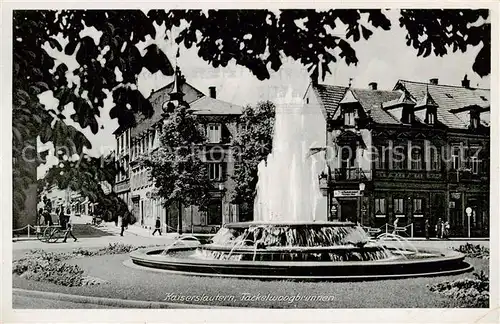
[(430, 117), (350, 117), (407, 117), (474, 119)]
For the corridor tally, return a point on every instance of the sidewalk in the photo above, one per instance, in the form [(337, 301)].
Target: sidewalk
[(135, 230)]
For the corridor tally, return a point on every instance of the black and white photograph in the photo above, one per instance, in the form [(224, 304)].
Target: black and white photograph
[(235, 158)]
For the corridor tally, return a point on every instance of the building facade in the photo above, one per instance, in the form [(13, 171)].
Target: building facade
[(417, 152), (220, 120)]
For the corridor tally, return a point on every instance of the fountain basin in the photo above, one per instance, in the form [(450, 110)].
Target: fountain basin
[(301, 251), (180, 260)]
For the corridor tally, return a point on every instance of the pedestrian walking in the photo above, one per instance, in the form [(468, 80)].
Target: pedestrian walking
[(69, 228), (427, 227), (446, 230), (439, 228), (124, 222), (157, 226), (62, 218)]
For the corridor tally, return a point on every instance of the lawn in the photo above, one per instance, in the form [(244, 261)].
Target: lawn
[(143, 284)]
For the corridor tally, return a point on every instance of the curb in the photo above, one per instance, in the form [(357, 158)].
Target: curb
[(104, 301)]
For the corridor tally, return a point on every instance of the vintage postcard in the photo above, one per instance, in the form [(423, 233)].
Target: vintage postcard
[(306, 162)]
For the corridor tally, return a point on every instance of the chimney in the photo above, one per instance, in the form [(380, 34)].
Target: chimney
[(433, 81), (213, 92), (373, 85), (465, 82)]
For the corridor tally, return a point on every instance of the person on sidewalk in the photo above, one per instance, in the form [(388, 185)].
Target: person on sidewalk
[(157, 226), (438, 228), (446, 230), (69, 228), (124, 222), (427, 228), (62, 218)]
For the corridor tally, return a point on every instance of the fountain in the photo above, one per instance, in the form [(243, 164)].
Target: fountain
[(290, 237)]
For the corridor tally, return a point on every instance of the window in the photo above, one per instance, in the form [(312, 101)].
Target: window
[(214, 132), (455, 157), (435, 159), (215, 171), (417, 207), (475, 163), (416, 158), (380, 158), (348, 157), (474, 119), (380, 207), (399, 207), (398, 158), (407, 117), (349, 117), (431, 118)]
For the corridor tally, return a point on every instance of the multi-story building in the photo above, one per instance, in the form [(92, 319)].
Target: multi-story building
[(220, 120), (419, 151), (66, 198)]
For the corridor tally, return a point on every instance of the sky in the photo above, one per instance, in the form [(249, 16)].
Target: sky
[(384, 59)]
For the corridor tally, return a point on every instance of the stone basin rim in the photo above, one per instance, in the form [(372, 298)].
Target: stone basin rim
[(146, 255)]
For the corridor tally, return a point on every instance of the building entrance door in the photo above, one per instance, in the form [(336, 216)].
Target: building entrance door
[(348, 210), (214, 214), (135, 208)]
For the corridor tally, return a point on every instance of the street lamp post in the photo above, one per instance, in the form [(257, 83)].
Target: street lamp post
[(361, 194), (221, 189), (468, 211)]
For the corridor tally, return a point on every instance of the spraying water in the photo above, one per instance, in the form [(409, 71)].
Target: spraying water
[(288, 188)]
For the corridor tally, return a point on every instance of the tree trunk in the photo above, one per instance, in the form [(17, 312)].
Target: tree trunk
[(179, 220)]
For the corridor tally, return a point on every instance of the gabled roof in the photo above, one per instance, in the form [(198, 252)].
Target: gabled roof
[(448, 98), (210, 106), (329, 97), (403, 100), (427, 101), (157, 99)]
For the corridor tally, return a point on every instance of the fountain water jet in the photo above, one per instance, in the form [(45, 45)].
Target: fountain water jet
[(288, 189)]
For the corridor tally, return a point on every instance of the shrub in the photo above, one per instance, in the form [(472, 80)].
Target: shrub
[(469, 292), (46, 266), (40, 265), (116, 248), (474, 251)]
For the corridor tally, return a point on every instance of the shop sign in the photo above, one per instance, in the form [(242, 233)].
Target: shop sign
[(346, 193)]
